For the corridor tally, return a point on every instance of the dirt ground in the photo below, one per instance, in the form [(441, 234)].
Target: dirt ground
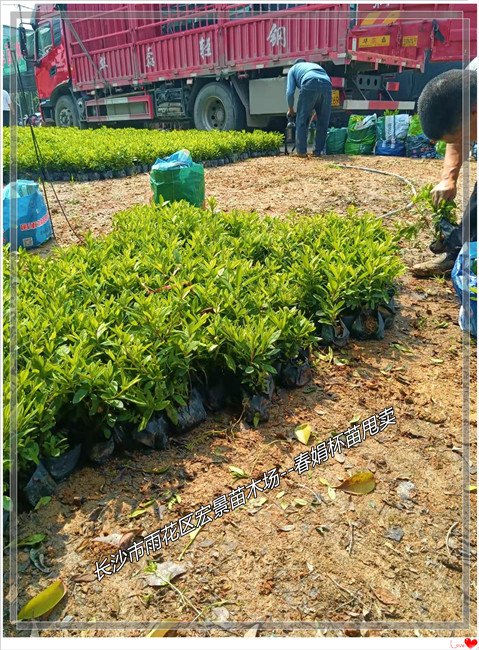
[(275, 186), (381, 560)]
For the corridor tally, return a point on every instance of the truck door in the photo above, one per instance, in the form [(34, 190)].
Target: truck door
[(51, 66)]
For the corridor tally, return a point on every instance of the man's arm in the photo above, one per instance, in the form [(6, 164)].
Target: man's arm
[(447, 188), (290, 88)]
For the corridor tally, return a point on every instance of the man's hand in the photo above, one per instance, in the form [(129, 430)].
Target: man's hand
[(291, 113), (445, 190)]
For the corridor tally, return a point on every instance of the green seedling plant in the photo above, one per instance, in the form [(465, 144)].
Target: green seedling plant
[(430, 212), (73, 151), (121, 328)]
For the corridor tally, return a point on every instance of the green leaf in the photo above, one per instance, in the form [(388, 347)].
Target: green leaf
[(31, 540), (43, 602), (300, 502), (144, 507), (43, 501), (237, 472), (79, 395)]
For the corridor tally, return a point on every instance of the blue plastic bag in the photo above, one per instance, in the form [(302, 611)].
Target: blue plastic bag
[(469, 306), (419, 146), (34, 226), (390, 148), (177, 160)]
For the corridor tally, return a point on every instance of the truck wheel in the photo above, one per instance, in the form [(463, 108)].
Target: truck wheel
[(66, 112), (218, 107)]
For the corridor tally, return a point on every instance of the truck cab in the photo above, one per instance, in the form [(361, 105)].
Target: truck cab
[(48, 50)]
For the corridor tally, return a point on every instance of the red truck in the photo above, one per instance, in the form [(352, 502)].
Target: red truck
[(224, 66)]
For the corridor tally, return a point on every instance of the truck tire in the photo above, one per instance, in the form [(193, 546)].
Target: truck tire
[(66, 112), (217, 107)]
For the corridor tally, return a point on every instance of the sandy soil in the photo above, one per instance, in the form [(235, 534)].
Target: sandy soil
[(319, 559), (268, 185)]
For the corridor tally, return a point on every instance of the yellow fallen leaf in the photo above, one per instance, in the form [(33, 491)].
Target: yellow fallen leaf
[(280, 494), (193, 535), (238, 472), (331, 493), (360, 483), (303, 433), (324, 481), (472, 488), (163, 632), (137, 513), (43, 602), (300, 502), (258, 502)]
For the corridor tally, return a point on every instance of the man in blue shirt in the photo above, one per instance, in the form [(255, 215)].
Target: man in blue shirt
[(314, 94)]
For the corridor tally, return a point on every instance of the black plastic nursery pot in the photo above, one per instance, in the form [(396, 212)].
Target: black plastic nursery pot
[(295, 373), (131, 170), (368, 325), (337, 335)]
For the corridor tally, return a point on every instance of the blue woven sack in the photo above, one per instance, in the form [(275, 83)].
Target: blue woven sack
[(33, 224)]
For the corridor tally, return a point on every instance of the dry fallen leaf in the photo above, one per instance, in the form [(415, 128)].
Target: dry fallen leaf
[(303, 433), (251, 632), (360, 483), (111, 540), (43, 602), (37, 558), (385, 596), (87, 577), (286, 528), (164, 574)]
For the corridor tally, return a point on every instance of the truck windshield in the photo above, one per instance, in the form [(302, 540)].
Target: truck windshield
[(44, 40)]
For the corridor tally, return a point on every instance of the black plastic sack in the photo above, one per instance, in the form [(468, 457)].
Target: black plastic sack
[(451, 236), (368, 325), (192, 414), (102, 451), (60, 467), (337, 335), (269, 387), (216, 396), (256, 409), (388, 311), (40, 485), (296, 373), (154, 435)]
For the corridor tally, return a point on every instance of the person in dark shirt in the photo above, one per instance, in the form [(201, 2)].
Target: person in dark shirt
[(440, 113), (314, 95)]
